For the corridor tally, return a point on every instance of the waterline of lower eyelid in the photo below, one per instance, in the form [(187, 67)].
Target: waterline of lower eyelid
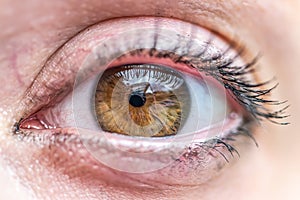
[(129, 142), (106, 147), (179, 172)]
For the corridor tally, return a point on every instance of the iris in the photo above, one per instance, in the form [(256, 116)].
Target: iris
[(142, 100)]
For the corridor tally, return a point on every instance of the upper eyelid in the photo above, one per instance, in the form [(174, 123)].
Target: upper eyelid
[(52, 60), (77, 31), (67, 60)]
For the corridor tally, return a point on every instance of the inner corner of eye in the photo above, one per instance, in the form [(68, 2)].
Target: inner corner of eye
[(37, 121)]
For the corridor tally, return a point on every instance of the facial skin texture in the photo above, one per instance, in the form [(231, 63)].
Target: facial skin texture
[(32, 30)]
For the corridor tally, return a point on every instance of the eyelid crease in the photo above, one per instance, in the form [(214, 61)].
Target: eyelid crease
[(28, 103)]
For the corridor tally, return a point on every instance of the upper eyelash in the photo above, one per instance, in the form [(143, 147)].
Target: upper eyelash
[(249, 95)]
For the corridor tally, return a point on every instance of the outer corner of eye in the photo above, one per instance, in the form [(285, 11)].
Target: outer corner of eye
[(153, 97)]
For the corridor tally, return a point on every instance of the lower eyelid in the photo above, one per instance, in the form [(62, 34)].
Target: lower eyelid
[(193, 167)]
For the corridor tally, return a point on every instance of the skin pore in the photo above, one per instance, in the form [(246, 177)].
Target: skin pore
[(31, 32)]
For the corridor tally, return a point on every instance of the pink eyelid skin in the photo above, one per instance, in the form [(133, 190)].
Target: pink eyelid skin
[(56, 80)]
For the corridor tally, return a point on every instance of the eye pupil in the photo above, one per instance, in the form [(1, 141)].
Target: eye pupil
[(137, 99)]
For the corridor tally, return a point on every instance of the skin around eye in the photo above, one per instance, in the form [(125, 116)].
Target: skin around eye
[(29, 38), (184, 160)]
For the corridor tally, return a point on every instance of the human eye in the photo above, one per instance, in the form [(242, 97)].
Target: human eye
[(156, 101)]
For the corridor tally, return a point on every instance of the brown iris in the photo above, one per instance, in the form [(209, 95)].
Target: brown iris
[(141, 100)]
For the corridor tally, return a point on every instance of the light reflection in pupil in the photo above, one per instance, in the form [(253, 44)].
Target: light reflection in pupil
[(157, 100), (137, 99)]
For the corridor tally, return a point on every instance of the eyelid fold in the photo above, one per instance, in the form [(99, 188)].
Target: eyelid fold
[(89, 50), (57, 77)]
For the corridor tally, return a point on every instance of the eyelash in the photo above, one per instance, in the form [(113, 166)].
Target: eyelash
[(234, 79), (249, 95)]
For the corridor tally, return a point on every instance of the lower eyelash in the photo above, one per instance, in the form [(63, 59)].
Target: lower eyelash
[(215, 144), (54, 137), (196, 156), (218, 142)]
